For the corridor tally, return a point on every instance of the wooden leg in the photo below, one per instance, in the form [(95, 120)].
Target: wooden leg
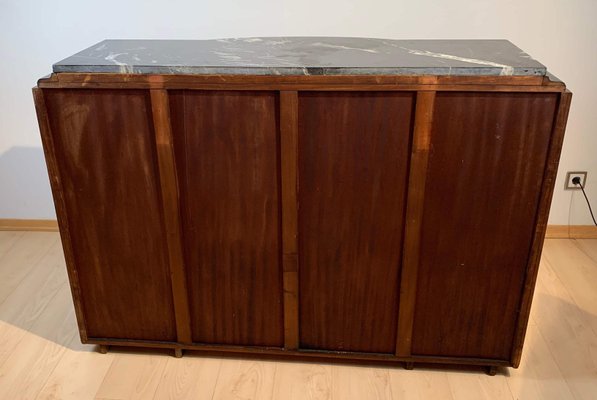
[(178, 353), (491, 370), (409, 365), (102, 348)]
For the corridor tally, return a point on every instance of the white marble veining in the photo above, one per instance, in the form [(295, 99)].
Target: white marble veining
[(506, 69), (304, 56)]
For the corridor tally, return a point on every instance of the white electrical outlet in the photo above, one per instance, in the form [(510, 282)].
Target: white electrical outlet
[(573, 174)]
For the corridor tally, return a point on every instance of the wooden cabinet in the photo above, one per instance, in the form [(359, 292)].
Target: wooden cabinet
[(366, 218)]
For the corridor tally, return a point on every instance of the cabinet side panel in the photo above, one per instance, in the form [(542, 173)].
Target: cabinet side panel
[(353, 161), (105, 152), (486, 165), (226, 147)]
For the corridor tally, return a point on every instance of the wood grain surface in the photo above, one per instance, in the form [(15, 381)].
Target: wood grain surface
[(353, 161), (105, 152), (289, 175), (303, 82), (547, 188), (227, 154), (417, 174), (171, 210), (486, 166)]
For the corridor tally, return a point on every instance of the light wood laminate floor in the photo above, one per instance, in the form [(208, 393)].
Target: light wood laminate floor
[(41, 356)]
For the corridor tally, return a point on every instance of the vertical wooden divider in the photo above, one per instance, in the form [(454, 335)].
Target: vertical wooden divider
[(169, 189), (414, 213), (289, 175)]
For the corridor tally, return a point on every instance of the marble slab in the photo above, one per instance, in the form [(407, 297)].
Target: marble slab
[(304, 56)]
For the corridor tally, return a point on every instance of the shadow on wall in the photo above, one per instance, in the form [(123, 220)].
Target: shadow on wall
[(24, 184)]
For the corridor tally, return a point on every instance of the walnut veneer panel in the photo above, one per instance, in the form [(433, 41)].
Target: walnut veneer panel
[(105, 151), (227, 153), (486, 166), (353, 161)]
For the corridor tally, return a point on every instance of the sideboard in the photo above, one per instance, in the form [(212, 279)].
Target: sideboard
[(314, 198)]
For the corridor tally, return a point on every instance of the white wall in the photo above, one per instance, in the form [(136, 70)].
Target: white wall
[(34, 34)]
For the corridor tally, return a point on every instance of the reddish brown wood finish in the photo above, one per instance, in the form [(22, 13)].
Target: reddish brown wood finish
[(105, 152), (486, 166), (226, 146), (414, 214), (60, 206), (301, 82), (169, 194), (261, 352), (252, 201), (289, 169), (549, 178), (353, 161)]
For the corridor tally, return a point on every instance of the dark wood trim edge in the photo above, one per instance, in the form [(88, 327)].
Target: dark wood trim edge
[(310, 87), (414, 212), (60, 206), (547, 187), (289, 177), (160, 81), (170, 203), (314, 355)]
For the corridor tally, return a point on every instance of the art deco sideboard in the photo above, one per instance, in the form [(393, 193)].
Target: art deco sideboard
[(319, 198)]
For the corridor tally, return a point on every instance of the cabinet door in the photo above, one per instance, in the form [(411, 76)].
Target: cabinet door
[(226, 147), (486, 165), (105, 150), (353, 157)]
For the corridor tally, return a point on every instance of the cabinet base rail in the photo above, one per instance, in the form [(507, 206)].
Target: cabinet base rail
[(276, 353)]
